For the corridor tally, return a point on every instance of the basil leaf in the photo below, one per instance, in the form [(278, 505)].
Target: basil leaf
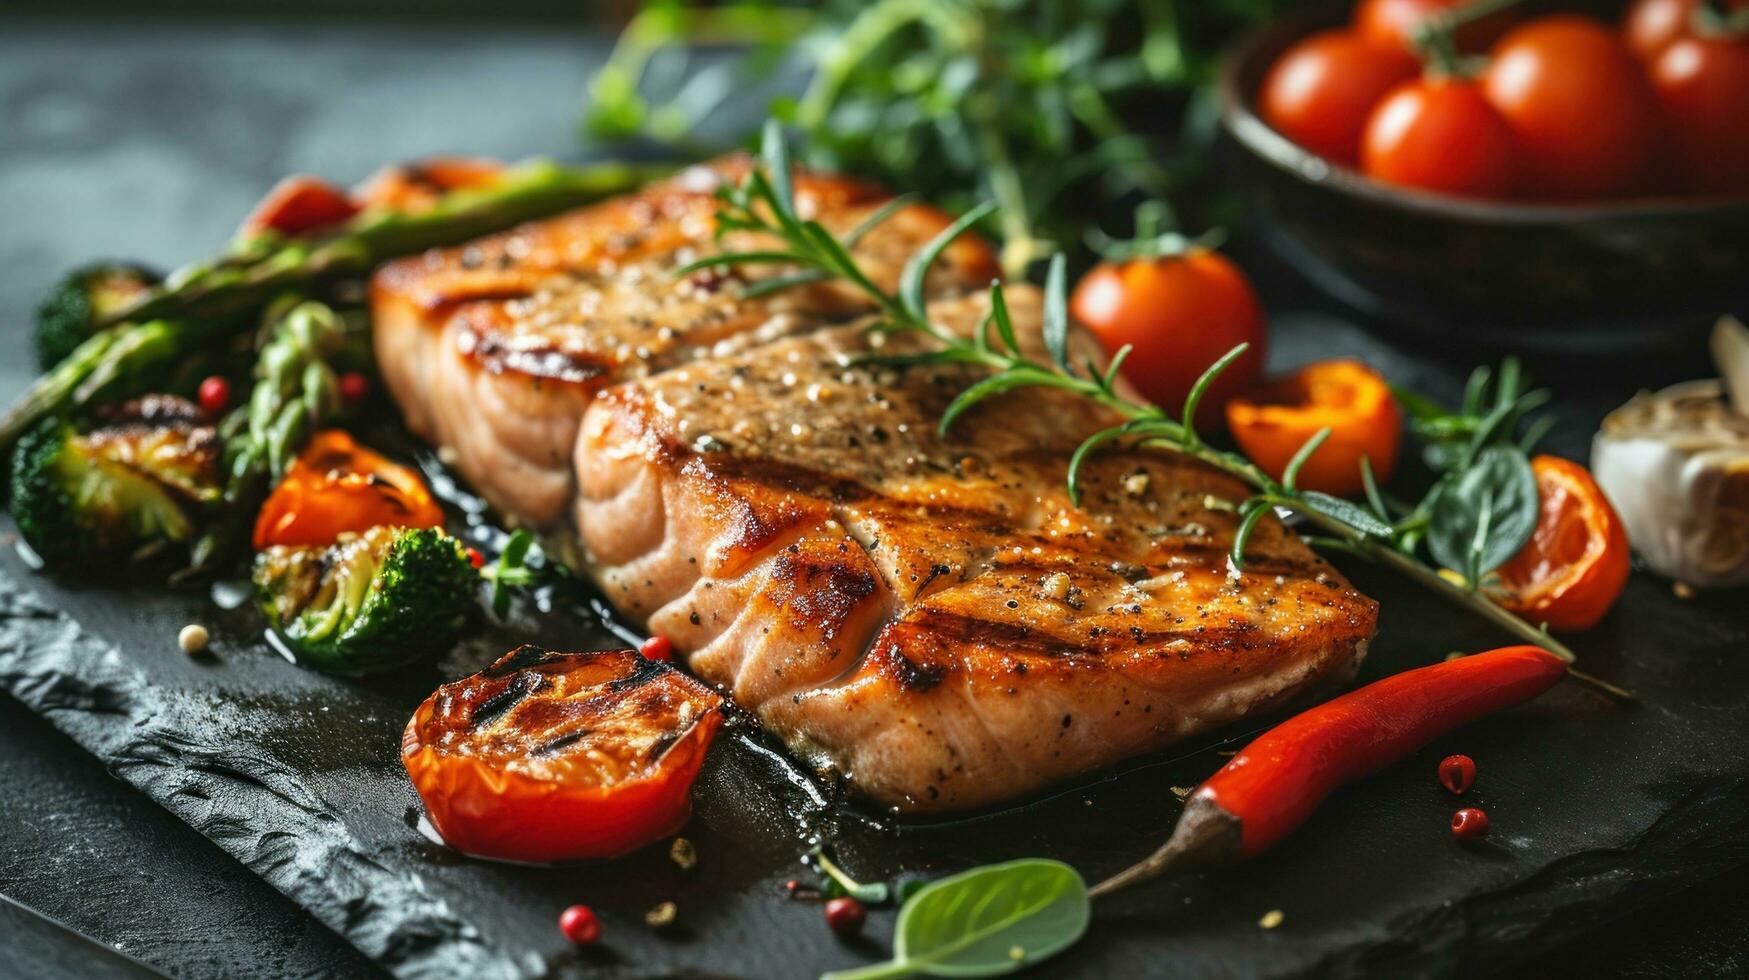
[(1351, 514), (1483, 516), (986, 922)]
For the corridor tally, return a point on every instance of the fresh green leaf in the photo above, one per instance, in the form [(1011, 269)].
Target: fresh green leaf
[(510, 561), (878, 218), (1208, 376), (1004, 321), (916, 271), (1056, 313), (995, 384), (1250, 513), (986, 922), (1292, 473), (774, 151), (1348, 512), (1482, 516)]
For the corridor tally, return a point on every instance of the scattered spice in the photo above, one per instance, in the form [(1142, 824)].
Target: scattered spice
[(661, 915), (845, 916), (354, 387), (1470, 823), (214, 395), (1271, 919), (1457, 772), (1681, 589), (682, 852), (1016, 953), (657, 648), (1182, 792), (580, 925), (193, 638)]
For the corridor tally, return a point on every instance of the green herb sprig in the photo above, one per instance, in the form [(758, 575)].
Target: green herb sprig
[(1477, 487), (1025, 103), (985, 922)]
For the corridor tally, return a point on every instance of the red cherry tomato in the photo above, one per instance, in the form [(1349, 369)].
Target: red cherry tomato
[(1320, 92), (1394, 22), (657, 648), (1180, 313), (336, 485), (549, 756), (299, 204), (1440, 134), (1583, 114), (1651, 25), (1703, 86)]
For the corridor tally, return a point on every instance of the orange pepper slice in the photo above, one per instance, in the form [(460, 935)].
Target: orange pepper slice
[(417, 186), (1576, 563), (1272, 422), (335, 486)]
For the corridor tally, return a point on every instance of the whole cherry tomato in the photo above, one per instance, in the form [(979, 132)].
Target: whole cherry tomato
[(1440, 134), (1651, 25), (1576, 563), (299, 204), (1394, 22), (1320, 91), (549, 756), (1179, 313), (334, 486), (1273, 422), (1579, 104), (1703, 86)]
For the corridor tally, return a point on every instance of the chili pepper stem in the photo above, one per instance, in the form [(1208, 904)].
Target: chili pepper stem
[(1205, 835)]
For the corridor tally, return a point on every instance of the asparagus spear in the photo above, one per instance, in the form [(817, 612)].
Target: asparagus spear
[(296, 390), (208, 299)]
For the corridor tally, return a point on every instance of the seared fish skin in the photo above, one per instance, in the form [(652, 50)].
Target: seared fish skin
[(932, 618), (494, 348)]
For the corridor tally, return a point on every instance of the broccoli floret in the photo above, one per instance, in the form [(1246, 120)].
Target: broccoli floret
[(373, 601), (66, 317), (127, 487)]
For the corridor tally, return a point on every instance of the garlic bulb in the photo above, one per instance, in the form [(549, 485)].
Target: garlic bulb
[(1675, 464)]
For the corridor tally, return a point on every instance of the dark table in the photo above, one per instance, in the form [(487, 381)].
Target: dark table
[(135, 139)]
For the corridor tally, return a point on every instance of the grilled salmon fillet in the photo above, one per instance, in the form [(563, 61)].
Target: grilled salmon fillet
[(932, 618), (494, 348)]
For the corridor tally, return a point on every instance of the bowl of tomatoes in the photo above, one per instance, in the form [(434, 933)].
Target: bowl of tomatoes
[(1505, 175)]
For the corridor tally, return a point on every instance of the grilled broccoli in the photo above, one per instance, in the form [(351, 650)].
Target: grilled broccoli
[(68, 315), (129, 486), (371, 601)]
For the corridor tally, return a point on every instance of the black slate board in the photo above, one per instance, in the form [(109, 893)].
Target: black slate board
[(1598, 810), (1597, 807)]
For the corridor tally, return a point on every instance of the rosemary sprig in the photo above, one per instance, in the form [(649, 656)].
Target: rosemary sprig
[(762, 203)]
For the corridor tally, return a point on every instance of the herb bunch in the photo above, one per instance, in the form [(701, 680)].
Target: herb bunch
[(1022, 102), (1474, 516)]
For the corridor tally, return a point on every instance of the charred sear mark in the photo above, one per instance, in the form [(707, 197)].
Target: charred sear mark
[(522, 658), (565, 741), (820, 594), (494, 707), (489, 349), (645, 672), (915, 677)]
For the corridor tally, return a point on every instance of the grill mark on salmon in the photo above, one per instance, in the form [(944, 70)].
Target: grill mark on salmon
[(932, 618), (494, 348)]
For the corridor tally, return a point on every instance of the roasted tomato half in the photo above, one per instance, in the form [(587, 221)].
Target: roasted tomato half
[(1576, 563), (549, 756), (335, 486)]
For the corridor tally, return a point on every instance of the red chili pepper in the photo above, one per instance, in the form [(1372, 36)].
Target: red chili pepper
[(1276, 782)]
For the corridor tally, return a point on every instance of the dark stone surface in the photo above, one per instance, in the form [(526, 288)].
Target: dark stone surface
[(134, 140)]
